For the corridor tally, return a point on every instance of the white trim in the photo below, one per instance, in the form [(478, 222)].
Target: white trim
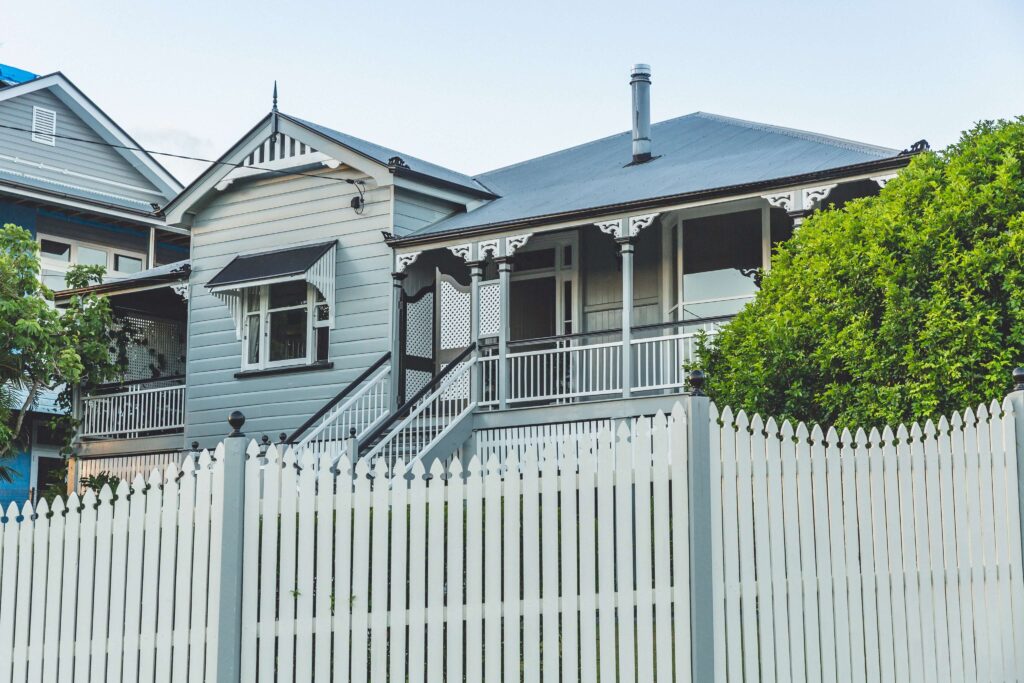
[(263, 314), (68, 172), (141, 202), (44, 126), (103, 125), (48, 264), (638, 223), (814, 196), (83, 204), (883, 180)]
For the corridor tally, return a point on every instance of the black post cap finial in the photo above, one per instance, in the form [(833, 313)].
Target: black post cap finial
[(195, 445), (265, 440), (352, 432), (236, 420), (697, 380), (282, 437), (1018, 379)]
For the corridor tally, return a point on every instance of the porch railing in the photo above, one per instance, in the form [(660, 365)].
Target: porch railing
[(573, 367), (134, 409)]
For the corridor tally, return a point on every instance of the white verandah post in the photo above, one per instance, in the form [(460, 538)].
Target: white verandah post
[(476, 274), (626, 248), (504, 283)]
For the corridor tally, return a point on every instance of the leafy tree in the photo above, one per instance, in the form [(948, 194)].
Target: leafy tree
[(42, 348), (894, 308)]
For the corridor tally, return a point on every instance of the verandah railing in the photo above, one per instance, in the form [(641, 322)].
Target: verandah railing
[(577, 366), (134, 409)]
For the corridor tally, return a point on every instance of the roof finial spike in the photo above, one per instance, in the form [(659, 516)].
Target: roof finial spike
[(275, 95)]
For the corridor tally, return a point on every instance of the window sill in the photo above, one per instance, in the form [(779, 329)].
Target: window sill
[(287, 370)]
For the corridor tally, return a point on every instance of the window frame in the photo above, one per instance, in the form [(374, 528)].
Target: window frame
[(62, 267), (263, 312)]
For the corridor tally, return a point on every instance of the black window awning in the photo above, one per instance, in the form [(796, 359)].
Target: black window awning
[(281, 265), (313, 263)]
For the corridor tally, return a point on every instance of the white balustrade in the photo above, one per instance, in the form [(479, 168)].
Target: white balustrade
[(134, 411), (427, 422), (565, 371), (659, 362), (361, 411)]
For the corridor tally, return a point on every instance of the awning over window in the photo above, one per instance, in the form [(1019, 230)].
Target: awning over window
[(313, 263)]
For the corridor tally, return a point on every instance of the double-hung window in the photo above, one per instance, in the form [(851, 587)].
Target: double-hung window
[(282, 304), (58, 254), (284, 324)]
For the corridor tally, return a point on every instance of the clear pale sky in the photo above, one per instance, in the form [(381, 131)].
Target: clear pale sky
[(477, 85)]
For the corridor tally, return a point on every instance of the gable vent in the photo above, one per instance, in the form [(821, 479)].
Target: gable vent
[(275, 149), (44, 126)]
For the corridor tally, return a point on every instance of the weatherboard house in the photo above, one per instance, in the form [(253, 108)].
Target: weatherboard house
[(340, 292), (80, 184)]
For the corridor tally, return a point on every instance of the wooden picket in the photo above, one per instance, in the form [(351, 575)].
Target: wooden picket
[(507, 567), (893, 555), (889, 555), (93, 589)]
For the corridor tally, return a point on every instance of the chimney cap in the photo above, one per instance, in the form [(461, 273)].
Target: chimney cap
[(641, 70)]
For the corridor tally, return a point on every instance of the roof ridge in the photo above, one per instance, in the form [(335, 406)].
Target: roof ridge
[(843, 143), (383, 147)]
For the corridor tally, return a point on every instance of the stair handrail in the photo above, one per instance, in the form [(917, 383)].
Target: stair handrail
[(428, 388), (340, 397), (413, 414)]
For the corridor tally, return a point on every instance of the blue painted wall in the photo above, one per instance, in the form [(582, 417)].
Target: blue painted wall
[(17, 490)]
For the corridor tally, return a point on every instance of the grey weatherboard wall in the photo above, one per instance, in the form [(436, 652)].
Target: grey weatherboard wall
[(266, 214), (96, 160)]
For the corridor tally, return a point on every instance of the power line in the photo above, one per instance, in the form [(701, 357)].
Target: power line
[(180, 156)]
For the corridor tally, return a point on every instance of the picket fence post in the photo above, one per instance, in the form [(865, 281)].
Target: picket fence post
[(1016, 398), (227, 585), (702, 612)]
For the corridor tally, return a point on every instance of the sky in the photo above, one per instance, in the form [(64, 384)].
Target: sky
[(478, 85)]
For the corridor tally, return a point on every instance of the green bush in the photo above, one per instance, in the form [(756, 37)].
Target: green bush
[(897, 307)]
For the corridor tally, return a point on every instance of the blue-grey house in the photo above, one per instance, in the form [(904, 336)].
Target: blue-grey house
[(341, 292), (81, 185)]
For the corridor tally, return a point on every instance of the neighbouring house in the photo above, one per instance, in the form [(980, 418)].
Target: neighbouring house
[(89, 195), (340, 291)]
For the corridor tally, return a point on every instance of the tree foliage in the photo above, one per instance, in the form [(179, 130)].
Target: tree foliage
[(42, 348), (898, 307)]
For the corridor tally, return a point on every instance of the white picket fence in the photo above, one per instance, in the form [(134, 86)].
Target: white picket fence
[(105, 588), (892, 556), (869, 556)]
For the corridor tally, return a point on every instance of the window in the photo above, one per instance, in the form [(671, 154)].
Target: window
[(57, 254), (284, 324), (44, 126), (127, 264)]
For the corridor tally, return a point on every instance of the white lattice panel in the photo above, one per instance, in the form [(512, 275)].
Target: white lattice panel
[(414, 381), (455, 313), (419, 327), (490, 310), (460, 387), (158, 348)]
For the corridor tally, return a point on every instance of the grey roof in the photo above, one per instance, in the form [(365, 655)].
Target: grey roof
[(46, 400), (696, 152), (156, 271), (56, 187), (382, 154)]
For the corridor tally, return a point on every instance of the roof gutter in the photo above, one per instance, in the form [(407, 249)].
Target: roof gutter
[(124, 286), (886, 164)]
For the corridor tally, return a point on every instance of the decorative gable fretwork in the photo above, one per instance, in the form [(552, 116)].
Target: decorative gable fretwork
[(277, 152), (276, 148)]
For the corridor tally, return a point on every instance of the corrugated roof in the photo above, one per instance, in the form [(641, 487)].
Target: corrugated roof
[(382, 154), (696, 152), (46, 400), (56, 187), (269, 264)]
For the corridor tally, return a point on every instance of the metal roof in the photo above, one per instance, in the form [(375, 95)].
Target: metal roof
[(383, 155), (11, 75), (168, 273), (693, 153), (269, 264)]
